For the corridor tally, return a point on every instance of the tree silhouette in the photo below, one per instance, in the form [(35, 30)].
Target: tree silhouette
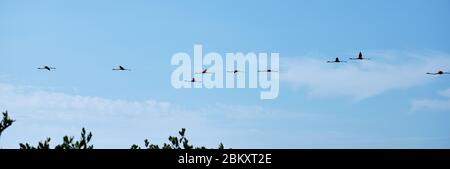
[(175, 142), (6, 122), (41, 145), (68, 143)]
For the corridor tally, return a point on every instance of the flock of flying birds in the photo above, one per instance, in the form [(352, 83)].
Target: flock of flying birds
[(360, 57), (120, 68), (205, 71), (235, 72), (193, 80)]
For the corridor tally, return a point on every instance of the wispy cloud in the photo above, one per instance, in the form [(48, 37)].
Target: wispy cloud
[(445, 93), (3, 76), (362, 79), (41, 113), (119, 123), (30, 99), (433, 104)]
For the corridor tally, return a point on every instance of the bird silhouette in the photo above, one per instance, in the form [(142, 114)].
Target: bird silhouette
[(336, 61), (205, 71), (235, 71), (46, 68), (121, 68), (360, 57), (193, 80), (439, 72), (267, 70)]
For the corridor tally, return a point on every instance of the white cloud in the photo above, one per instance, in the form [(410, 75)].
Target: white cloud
[(433, 104), (29, 99), (41, 113), (361, 79), (445, 93), (118, 123)]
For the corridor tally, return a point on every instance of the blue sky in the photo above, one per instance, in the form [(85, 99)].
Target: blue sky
[(387, 102)]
